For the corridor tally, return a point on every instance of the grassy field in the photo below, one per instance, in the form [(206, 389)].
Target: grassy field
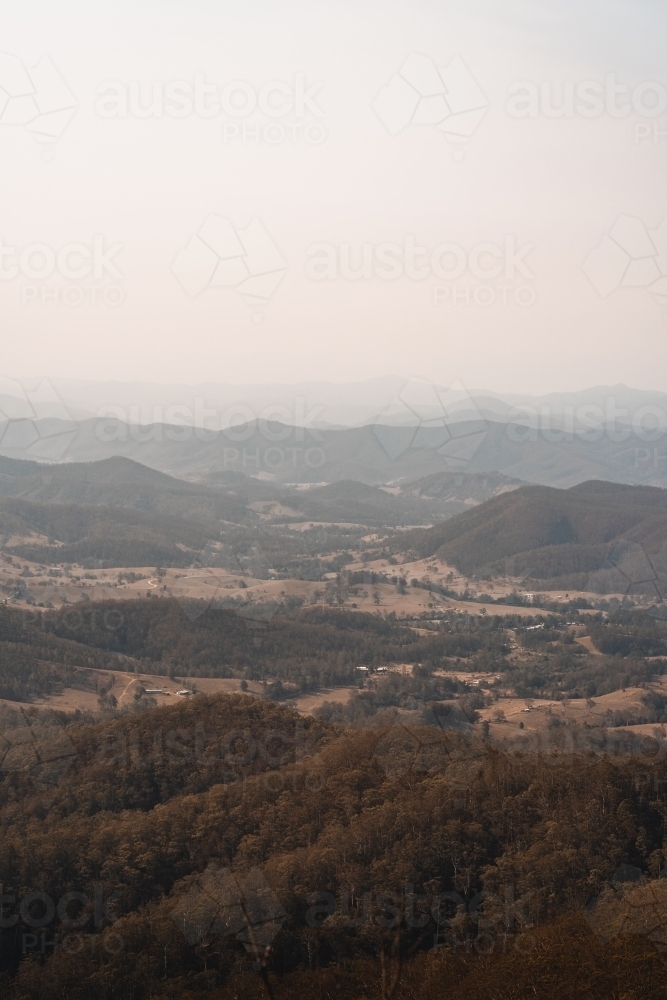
[(43, 586)]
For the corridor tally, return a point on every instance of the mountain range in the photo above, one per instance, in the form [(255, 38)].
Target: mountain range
[(378, 454), (127, 514), (386, 431)]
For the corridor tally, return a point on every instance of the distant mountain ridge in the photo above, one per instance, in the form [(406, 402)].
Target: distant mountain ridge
[(328, 404), (550, 450)]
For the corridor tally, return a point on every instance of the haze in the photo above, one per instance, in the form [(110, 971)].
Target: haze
[(549, 189)]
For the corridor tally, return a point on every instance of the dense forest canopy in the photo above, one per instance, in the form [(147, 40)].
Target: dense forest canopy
[(348, 843)]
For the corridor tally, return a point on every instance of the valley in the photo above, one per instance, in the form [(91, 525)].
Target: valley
[(333, 500), (173, 650)]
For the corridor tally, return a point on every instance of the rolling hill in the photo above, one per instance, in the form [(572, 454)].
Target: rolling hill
[(116, 536), (547, 534), (118, 482), (435, 497)]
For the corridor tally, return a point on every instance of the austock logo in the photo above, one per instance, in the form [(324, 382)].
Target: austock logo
[(56, 925), (590, 422), (206, 581), (36, 745), (426, 416), (483, 923), (220, 256), (628, 571), (271, 113), (71, 619), (421, 93), (34, 421), (242, 905), (35, 97), (491, 270), (238, 755), (630, 256), (72, 275), (405, 751), (586, 99), (629, 904)]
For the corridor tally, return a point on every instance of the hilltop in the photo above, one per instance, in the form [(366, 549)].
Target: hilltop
[(117, 482), (550, 534)]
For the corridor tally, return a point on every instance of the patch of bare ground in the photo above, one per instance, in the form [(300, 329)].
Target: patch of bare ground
[(507, 714), (587, 643), (126, 685), (307, 703), (54, 586)]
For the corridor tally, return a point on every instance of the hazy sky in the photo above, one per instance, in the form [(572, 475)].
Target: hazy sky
[(290, 131)]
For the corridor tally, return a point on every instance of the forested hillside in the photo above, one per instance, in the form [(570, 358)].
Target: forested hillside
[(245, 851), (116, 536), (311, 648), (550, 533), (117, 482)]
